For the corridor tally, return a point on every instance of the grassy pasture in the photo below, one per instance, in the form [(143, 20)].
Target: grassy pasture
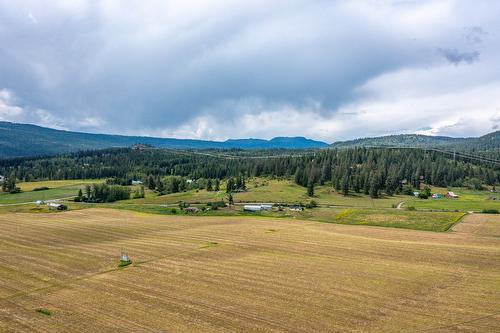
[(57, 189), (214, 274), (285, 191), (29, 186), (418, 220), (468, 200)]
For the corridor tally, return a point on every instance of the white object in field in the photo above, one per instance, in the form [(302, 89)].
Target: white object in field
[(252, 208), (53, 205), (125, 257)]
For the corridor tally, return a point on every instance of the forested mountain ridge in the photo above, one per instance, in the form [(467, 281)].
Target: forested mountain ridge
[(20, 140), (24, 140), (482, 143)]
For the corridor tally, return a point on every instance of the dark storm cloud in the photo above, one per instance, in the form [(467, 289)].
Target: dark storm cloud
[(133, 67)]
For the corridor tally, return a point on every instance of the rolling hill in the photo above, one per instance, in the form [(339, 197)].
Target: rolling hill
[(486, 142), (20, 140)]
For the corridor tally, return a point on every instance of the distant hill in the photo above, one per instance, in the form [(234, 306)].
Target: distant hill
[(19, 140), (486, 142)]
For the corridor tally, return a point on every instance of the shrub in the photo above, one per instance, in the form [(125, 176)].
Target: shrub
[(311, 204), (408, 190), (44, 311), (216, 204), (411, 208), (490, 211), (124, 263), (15, 190), (41, 188)]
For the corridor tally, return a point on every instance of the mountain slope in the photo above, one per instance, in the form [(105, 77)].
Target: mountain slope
[(18, 140), (485, 142)]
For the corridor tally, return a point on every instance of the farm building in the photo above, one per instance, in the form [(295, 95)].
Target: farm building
[(136, 182), (296, 208), (191, 209), (451, 195), (416, 194), (56, 206), (257, 208)]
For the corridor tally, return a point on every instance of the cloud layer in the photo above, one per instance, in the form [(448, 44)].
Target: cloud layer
[(328, 70)]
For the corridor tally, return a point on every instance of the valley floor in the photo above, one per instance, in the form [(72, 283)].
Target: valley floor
[(216, 274)]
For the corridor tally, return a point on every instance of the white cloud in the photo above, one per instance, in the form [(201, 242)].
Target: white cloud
[(8, 110)]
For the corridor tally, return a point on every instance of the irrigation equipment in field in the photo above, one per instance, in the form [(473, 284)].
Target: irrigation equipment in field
[(124, 260)]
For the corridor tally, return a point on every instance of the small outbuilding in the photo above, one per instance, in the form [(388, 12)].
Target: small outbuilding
[(451, 195), (56, 206), (191, 209), (296, 208), (136, 182)]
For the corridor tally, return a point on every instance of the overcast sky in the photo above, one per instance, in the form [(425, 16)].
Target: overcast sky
[(219, 69)]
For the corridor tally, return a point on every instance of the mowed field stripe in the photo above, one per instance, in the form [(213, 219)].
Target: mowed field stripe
[(263, 274)]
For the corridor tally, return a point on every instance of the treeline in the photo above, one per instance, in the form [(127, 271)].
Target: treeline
[(103, 193), (370, 171)]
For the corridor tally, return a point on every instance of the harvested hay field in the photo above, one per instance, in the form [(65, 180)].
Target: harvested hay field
[(59, 273)]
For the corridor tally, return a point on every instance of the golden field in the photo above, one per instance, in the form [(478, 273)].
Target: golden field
[(249, 274)]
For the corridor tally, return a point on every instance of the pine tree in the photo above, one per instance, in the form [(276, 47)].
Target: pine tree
[(310, 188), (229, 185), (374, 187), (151, 182), (345, 186)]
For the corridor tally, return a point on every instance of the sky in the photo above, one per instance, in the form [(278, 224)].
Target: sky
[(219, 69)]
